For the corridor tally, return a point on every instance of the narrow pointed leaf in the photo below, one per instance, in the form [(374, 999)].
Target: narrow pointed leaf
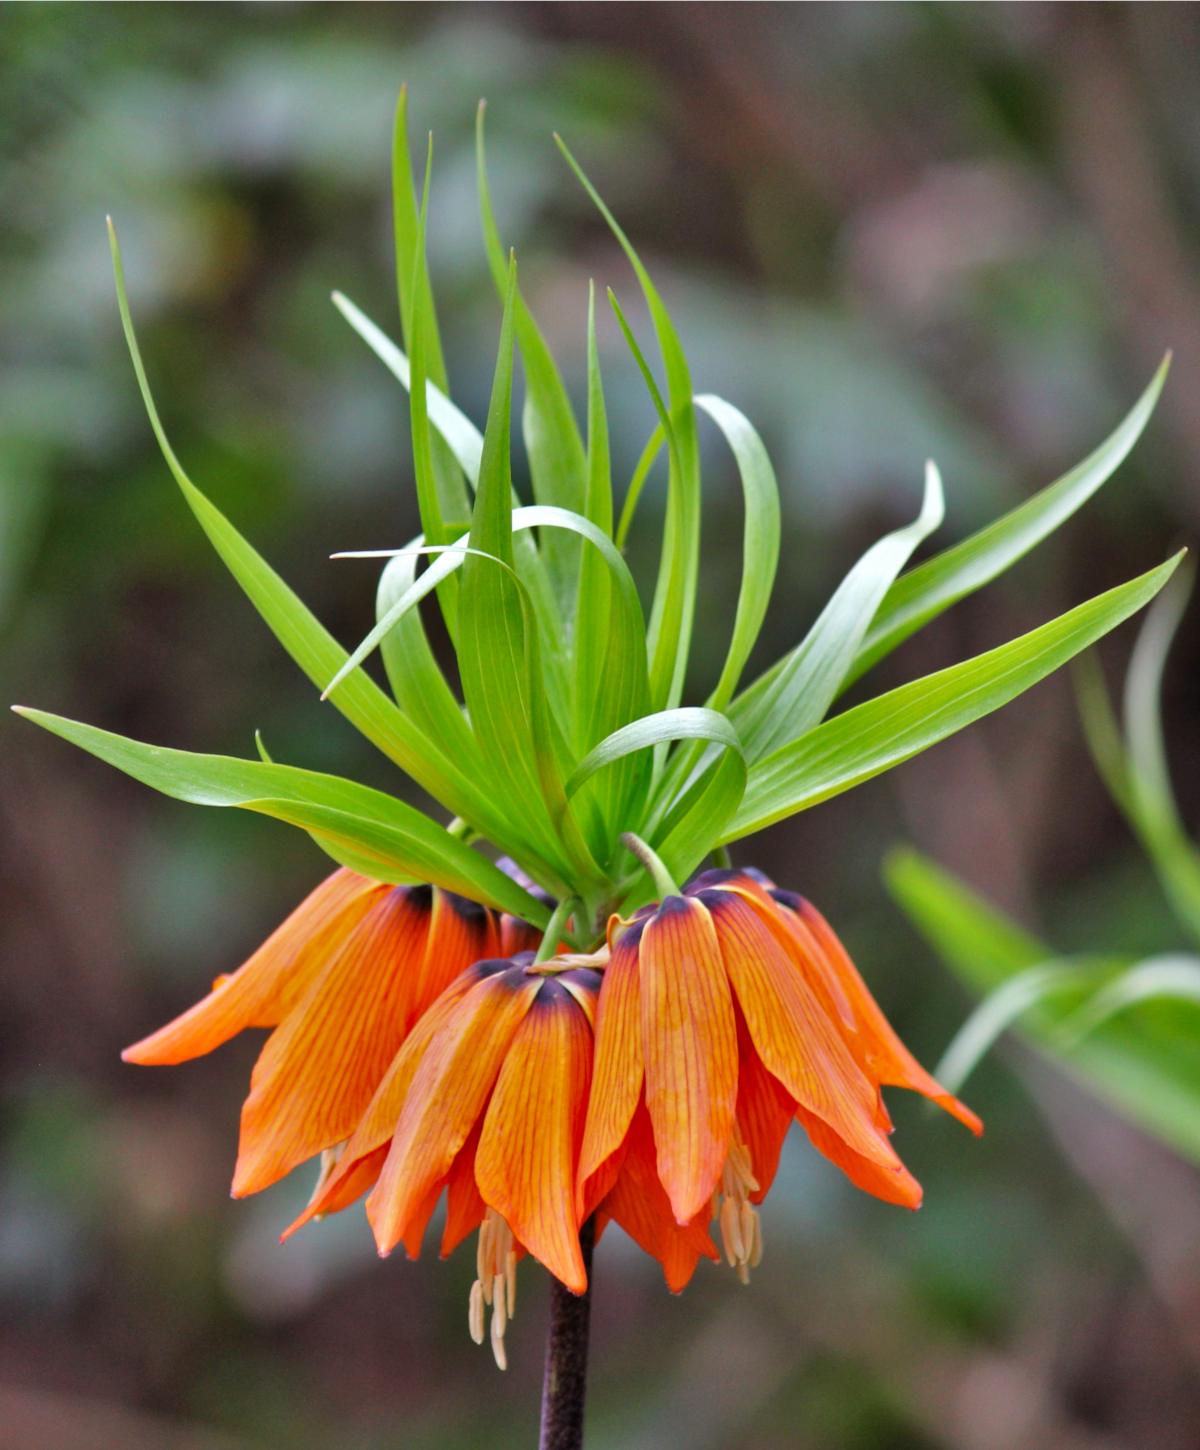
[(800, 689), (672, 615), (307, 641), (1145, 1063), (557, 461), (925, 592), (415, 293), (374, 825), (760, 539), (883, 732)]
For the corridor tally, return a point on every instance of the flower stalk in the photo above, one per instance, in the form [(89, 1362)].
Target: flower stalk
[(564, 1381)]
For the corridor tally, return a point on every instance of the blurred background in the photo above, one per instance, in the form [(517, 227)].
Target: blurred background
[(885, 232)]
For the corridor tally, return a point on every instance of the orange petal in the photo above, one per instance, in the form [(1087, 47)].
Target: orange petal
[(529, 1148), (638, 1202), (893, 1184), (792, 1032), (464, 1207), (886, 1056), (447, 1093), (764, 1113), (516, 935), (368, 1145), (319, 1069), (618, 1072), (272, 981), (460, 932), (339, 1189), (689, 1038)]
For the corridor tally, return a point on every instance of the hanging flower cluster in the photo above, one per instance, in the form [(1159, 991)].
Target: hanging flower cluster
[(569, 1037)]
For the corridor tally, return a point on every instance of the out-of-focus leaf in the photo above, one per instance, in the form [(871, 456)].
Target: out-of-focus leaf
[(1145, 1062), (796, 693), (392, 839), (998, 1011), (875, 736), (1173, 976), (926, 591), (1135, 769)]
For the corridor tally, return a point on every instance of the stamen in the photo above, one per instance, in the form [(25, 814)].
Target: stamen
[(329, 1161), (741, 1231), (496, 1283), (475, 1312)]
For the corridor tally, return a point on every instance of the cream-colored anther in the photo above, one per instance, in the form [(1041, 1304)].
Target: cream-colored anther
[(495, 1284), (329, 1161), (741, 1231)]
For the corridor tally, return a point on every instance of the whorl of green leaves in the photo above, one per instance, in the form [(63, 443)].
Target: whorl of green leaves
[(572, 729)]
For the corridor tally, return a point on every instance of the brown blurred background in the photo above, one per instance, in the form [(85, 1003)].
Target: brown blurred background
[(885, 232)]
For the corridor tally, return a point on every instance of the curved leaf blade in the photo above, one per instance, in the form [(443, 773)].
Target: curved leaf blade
[(796, 693), (926, 591), (760, 538), (884, 732), (395, 835)]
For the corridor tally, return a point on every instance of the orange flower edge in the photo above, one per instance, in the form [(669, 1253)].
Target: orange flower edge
[(342, 982), (726, 1013), (486, 1102)]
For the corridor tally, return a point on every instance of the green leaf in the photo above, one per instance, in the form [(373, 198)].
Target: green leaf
[(874, 737), (592, 598), (467, 444), (627, 620), (999, 1011), (557, 462), (932, 587), (1144, 1062), (796, 693), (307, 641), (417, 681), (687, 723), (396, 840), (1135, 770), (415, 293), (760, 539), (460, 434), (634, 493), (685, 830), (498, 648), (673, 611), (1171, 976)]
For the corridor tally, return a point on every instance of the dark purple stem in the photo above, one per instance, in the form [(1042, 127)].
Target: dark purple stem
[(564, 1384)]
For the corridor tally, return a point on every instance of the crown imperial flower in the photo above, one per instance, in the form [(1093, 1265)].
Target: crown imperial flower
[(644, 1067)]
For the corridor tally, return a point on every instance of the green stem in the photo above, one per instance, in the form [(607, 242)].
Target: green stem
[(664, 882), (557, 925)]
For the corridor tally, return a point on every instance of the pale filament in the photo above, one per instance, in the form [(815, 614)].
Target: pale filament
[(741, 1227), (495, 1284), (329, 1161)]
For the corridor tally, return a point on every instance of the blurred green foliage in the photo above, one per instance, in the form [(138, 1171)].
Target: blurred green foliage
[(887, 232)]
